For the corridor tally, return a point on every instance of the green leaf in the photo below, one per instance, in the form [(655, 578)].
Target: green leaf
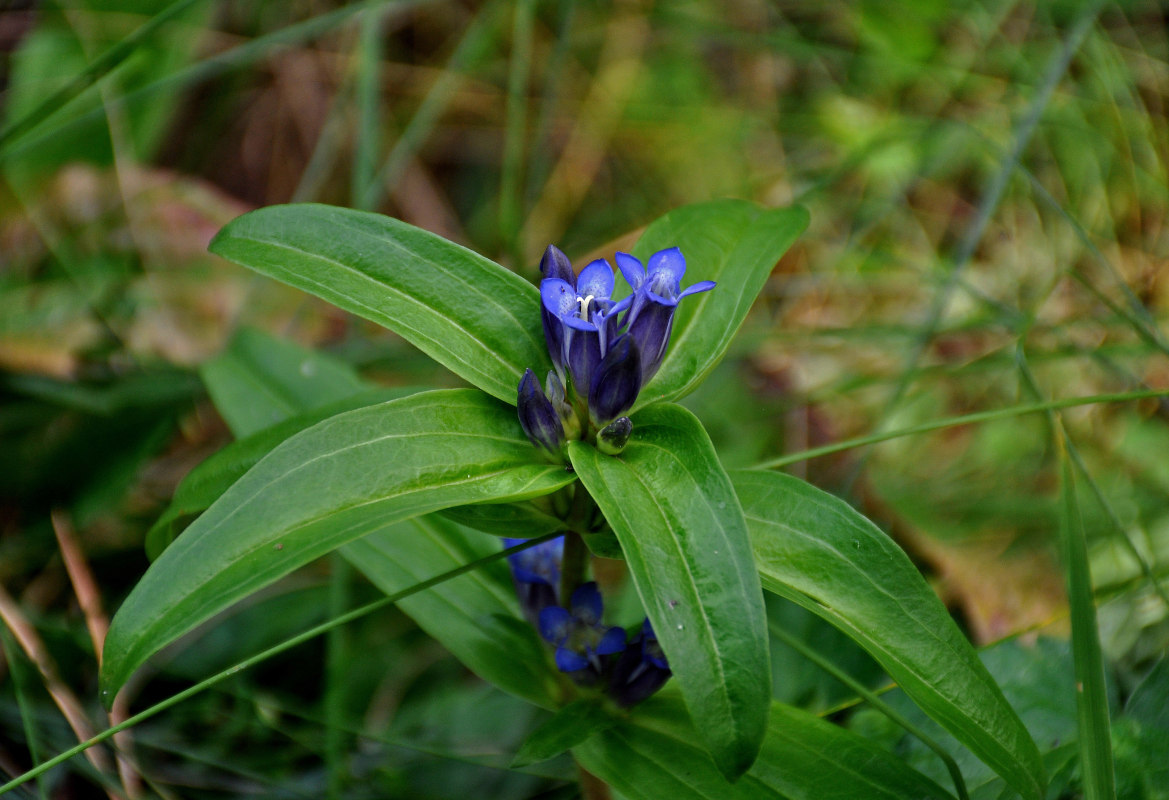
[(211, 478), (260, 380), (520, 520), (678, 520), (567, 728), (815, 550), (655, 754), (733, 242), (335, 482), (464, 311), (475, 616)]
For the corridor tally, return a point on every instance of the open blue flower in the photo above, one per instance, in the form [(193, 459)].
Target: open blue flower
[(578, 634), (578, 317), (656, 292), (536, 572)]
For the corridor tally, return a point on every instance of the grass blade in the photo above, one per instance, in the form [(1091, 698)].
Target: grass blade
[(1091, 693)]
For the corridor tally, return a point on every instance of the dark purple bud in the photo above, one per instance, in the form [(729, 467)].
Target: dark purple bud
[(650, 330), (555, 264), (538, 417), (616, 383)]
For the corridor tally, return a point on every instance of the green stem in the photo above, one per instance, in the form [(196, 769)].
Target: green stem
[(573, 566), (953, 422)]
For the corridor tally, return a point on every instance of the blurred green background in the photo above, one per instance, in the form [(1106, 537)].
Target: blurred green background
[(988, 192)]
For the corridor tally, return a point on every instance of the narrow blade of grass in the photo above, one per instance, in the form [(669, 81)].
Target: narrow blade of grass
[(1091, 694)]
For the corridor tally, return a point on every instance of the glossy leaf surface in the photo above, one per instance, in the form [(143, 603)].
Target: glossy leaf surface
[(466, 312), (324, 487), (656, 754), (211, 478), (817, 551), (679, 523)]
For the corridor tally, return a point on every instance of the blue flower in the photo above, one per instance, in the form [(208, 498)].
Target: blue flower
[(578, 317), (656, 293), (603, 352), (641, 670), (536, 572), (578, 634)]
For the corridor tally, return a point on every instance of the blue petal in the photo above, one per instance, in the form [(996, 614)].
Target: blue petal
[(568, 661), (631, 270), (668, 262), (661, 299), (596, 280), (555, 264), (582, 355), (558, 297), (539, 564), (701, 286), (612, 642), (555, 624), (587, 604), (650, 331), (579, 324)]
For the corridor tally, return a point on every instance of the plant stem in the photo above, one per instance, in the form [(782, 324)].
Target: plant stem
[(572, 566)]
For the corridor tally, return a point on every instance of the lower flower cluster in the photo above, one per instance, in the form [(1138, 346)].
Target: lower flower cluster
[(628, 669)]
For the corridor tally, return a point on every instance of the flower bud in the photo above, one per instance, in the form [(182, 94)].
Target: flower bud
[(538, 417), (616, 382), (614, 436)]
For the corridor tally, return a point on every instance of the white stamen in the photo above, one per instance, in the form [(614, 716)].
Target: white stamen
[(584, 307)]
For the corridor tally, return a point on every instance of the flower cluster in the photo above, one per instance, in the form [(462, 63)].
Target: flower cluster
[(603, 351), (591, 653)]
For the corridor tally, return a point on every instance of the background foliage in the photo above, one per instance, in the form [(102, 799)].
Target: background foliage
[(987, 189)]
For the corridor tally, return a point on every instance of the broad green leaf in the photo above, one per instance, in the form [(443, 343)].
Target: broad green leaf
[(260, 380), (678, 520), (815, 550), (331, 484), (466, 312), (733, 242), (567, 728), (475, 616), (211, 478), (519, 520), (657, 754)]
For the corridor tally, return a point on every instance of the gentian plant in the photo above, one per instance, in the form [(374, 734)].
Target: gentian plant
[(569, 445)]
